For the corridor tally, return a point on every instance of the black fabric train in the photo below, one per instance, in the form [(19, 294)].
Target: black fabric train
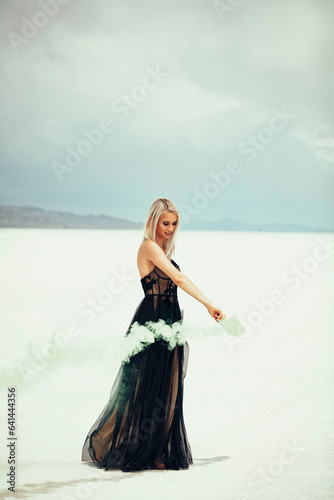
[(142, 423)]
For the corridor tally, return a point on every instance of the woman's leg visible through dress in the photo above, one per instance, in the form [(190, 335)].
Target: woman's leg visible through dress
[(101, 440), (173, 388), (171, 400)]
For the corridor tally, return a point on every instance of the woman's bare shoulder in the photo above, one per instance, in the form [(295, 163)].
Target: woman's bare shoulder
[(144, 262), (143, 251), (146, 246)]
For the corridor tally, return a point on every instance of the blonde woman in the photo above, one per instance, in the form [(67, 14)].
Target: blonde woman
[(142, 425)]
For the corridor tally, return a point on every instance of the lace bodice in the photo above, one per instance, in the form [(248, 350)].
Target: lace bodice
[(158, 283)]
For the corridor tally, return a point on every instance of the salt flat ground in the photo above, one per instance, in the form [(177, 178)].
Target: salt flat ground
[(258, 411)]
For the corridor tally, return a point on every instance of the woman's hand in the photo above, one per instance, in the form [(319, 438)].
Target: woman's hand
[(215, 312)]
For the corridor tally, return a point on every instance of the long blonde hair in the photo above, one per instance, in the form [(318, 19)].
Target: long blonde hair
[(158, 208)]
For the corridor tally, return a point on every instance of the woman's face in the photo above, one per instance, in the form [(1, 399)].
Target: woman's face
[(166, 225)]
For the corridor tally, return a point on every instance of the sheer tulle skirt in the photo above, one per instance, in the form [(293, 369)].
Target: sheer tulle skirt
[(143, 419)]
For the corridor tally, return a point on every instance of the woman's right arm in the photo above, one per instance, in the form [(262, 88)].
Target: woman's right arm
[(155, 254)]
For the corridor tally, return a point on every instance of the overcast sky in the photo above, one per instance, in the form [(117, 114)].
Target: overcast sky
[(225, 109)]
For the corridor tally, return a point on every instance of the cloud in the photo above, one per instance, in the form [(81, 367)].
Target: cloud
[(224, 79), (320, 140)]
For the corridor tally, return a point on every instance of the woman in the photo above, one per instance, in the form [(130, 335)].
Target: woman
[(142, 425)]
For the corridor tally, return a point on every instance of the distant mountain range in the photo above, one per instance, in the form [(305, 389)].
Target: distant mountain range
[(26, 216), (33, 217), (228, 224)]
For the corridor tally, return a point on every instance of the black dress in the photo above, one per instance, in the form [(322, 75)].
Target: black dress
[(143, 419)]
